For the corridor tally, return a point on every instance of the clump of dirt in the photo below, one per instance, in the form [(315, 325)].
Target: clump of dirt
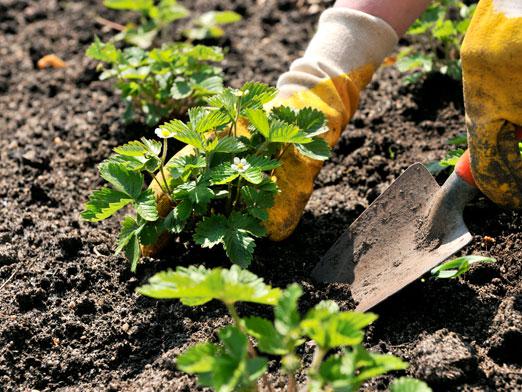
[(70, 320)]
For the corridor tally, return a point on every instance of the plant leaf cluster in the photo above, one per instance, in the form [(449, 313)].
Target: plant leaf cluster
[(440, 29), (222, 189), (156, 16), (340, 362), (162, 81), (454, 268)]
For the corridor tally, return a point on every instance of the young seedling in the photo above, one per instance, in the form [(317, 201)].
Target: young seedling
[(162, 82), (222, 188), (154, 17), (442, 26), (454, 268), (234, 364), (208, 25)]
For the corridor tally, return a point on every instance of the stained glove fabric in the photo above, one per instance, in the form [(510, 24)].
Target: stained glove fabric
[(492, 72)]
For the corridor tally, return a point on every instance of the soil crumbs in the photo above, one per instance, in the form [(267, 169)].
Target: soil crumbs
[(69, 319)]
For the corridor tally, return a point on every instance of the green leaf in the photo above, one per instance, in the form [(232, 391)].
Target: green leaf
[(347, 371), (175, 220), (208, 85), (259, 120), (146, 205), (284, 113), (197, 192), (132, 149), (131, 5), (184, 133), (281, 132), (311, 121), (198, 359), (262, 163), (198, 285), (167, 12), (239, 247), (135, 163), (330, 328), (151, 232), (452, 157), (255, 95), (133, 252), (211, 231), (253, 175), (287, 317), (180, 89), (268, 339), (129, 227), (406, 384), (209, 121), (318, 149), (219, 17), (105, 52), (257, 201), (456, 267), (459, 139), (234, 233), (103, 203), (229, 145), (121, 178), (223, 174)]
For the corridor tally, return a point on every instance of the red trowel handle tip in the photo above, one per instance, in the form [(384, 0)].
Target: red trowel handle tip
[(463, 168)]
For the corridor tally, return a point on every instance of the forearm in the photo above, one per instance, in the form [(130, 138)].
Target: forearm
[(399, 14)]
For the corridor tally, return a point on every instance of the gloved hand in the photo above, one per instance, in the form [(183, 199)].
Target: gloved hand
[(492, 72), (340, 60)]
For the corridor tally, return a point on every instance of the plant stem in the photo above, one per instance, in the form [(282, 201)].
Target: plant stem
[(109, 23), (233, 312), (292, 383), (238, 192), (317, 359), (251, 351), (162, 165)]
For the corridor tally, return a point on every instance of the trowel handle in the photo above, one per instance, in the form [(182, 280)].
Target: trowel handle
[(463, 169)]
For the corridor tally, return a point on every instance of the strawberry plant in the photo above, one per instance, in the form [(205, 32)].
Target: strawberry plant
[(160, 82), (340, 362), (442, 27), (208, 25), (454, 268), (221, 190), (155, 16)]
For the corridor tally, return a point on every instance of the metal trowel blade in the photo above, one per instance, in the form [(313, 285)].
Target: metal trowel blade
[(382, 251)]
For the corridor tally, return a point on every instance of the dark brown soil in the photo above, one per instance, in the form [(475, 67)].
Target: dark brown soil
[(69, 319)]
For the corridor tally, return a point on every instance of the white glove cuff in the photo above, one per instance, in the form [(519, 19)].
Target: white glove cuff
[(345, 40)]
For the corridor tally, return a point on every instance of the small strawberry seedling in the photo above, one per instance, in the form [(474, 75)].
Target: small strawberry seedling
[(456, 267), (442, 26), (220, 190), (161, 82), (156, 16), (340, 362), (208, 25)]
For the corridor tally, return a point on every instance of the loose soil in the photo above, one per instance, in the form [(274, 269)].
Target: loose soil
[(69, 319)]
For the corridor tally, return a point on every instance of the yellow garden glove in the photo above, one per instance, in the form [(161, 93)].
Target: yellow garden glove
[(340, 60), (492, 72)]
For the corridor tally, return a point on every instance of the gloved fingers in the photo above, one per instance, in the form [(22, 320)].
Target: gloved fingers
[(496, 162)]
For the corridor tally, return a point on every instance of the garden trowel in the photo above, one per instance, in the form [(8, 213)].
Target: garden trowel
[(410, 228)]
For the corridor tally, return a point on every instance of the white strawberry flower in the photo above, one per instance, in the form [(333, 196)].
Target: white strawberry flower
[(163, 133), (240, 165)]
